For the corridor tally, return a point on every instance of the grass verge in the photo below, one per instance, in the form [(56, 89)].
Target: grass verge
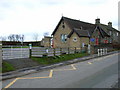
[(56, 59), (6, 67)]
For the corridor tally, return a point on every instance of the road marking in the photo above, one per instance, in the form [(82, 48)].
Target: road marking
[(89, 63), (33, 77), (51, 73), (72, 65), (11, 83)]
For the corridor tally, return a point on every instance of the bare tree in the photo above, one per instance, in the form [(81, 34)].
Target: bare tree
[(16, 37), (22, 39), (3, 38), (10, 38), (35, 36)]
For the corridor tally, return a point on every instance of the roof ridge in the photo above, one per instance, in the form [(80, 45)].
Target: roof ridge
[(78, 20), (80, 29)]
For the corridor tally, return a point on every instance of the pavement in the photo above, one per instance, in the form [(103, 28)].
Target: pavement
[(29, 70), (101, 72)]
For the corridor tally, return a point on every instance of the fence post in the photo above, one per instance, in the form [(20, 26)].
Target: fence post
[(98, 52), (30, 50), (54, 51), (60, 51), (106, 51), (75, 50), (101, 51), (68, 50), (81, 50)]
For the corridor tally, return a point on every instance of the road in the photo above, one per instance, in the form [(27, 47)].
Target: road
[(95, 73)]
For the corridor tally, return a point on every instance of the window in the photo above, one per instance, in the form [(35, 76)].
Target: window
[(110, 32), (63, 26), (117, 33), (63, 37), (75, 39)]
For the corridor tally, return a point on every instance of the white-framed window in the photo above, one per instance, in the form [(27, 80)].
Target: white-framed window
[(117, 33), (110, 33), (75, 39), (83, 44), (63, 37)]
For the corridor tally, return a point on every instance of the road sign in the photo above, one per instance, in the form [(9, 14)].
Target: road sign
[(92, 39), (30, 45)]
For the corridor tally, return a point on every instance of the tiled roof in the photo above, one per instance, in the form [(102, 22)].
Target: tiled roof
[(80, 24), (77, 24), (80, 33), (103, 33)]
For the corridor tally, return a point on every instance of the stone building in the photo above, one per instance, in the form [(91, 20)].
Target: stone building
[(75, 33), (46, 41)]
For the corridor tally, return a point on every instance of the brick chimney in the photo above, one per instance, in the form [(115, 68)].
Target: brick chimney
[(97, 21), (110, 24)]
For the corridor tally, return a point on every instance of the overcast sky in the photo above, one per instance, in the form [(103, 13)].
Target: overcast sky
[(38, 16)]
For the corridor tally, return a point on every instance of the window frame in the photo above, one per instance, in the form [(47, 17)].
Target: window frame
[(63, 37)]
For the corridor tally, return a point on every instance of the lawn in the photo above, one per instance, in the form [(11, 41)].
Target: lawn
[(6, 67), (56, 59)]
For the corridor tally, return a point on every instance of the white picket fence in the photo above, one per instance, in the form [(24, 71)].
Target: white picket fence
[(15, 53)]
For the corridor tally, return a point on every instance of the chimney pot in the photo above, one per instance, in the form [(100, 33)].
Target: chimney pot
[(97, 21), (110, 24)]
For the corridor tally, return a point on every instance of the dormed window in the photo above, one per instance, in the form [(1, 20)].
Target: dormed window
[(63, 37)]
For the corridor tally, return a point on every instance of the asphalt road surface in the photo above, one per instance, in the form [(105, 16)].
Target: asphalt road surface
[(95, 73)]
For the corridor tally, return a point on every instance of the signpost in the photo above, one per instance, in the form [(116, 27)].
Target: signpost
[(0, 65), (0, 54)]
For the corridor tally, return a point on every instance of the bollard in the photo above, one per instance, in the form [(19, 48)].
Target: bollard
[(98, 52), (89, 49), (106, 50), (101, 52)]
